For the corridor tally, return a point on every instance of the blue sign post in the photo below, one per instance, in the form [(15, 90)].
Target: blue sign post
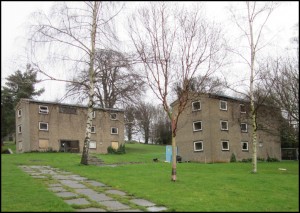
[(169, 153)]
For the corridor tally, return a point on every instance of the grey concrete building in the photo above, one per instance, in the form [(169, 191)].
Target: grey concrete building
[(42, 125), (212, 127)]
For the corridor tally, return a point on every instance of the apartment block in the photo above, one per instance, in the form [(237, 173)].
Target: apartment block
[(212, 127), (42, 126)]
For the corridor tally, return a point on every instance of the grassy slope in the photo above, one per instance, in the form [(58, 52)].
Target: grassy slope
[(200, 187)]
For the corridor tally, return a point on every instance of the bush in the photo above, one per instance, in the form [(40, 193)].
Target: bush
[(232, 158), (120, 150), (269, 159)]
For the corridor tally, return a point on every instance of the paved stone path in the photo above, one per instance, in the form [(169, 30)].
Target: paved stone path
[(88, 195)]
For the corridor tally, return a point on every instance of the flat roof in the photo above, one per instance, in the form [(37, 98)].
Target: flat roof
[(71, 105)]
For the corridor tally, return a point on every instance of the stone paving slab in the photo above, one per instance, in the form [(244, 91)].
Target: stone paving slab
[(142, 202), (73, 184), (57, 189), (90, 210), (78, 201), (115, 192), (156, 209), (61, 177), (73, 181), (95, 183), (93, 195), (54, 185), (114, 205), (66, 194)]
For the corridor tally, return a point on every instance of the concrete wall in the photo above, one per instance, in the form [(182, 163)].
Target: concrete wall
[(212, 136), (64, 126)]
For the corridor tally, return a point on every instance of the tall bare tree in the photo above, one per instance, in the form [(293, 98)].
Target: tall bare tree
[(116, 83), (174, 45), (251, 24), (75, 30), (144, 115)]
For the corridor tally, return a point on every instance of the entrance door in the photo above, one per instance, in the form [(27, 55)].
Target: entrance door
[(69, 146)]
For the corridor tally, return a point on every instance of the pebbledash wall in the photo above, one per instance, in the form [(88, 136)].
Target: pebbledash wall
[(42, 125), (212, 127)]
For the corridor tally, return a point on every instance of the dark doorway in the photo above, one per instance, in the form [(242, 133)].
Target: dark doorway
[(69, 146)]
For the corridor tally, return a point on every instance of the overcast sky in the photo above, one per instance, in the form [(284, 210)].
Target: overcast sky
[(15, 13)]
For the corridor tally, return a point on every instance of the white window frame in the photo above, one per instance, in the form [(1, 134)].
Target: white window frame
[(241, 108), (193, 108), (94, 114), (245, 142), (224, 141), (222, 125), (43, 129), (43, 111), (111, 118), (93, 127), (20, 128), (246, 127), (198, 150), (194, 129), (94, 145), (224, 109), (19, 113), (111, 130)]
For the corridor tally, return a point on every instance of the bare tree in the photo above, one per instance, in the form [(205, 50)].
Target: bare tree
[(75, 30), (251, 24), (130, 121), (144, 114), (173, 45), (115, 81)]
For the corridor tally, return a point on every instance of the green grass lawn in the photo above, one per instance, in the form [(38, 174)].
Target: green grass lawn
[(199, 187)]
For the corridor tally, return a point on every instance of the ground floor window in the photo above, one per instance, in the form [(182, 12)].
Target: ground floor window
[(198, 146), (115, 144), (43, 143), (93, 145)]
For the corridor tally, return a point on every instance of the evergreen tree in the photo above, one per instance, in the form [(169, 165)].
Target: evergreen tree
[(19, 85)]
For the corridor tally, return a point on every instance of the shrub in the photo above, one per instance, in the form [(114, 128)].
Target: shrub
[(232, 158), (120, 150)]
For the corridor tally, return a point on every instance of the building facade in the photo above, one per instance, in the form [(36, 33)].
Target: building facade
[(42, 126), (212, 127)]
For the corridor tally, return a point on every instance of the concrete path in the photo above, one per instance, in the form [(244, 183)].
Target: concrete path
[(86, 195)]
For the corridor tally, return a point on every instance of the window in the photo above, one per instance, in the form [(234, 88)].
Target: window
[(225, 145), (19, 113), (244, 127), (20, 129), (242, 108), (94, 114), (197, 126), (244, 146), (43, 109), (115, 144), (114, 130), (20, 145), (93, 145), (224, 125), (113, 116), (68, 109), (223, 105), (43, 144), (93, 129), (198, 146), (43, 126), (196, 105)]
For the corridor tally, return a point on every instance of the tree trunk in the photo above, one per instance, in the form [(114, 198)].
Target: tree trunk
[(174, 154), (85, 152)]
